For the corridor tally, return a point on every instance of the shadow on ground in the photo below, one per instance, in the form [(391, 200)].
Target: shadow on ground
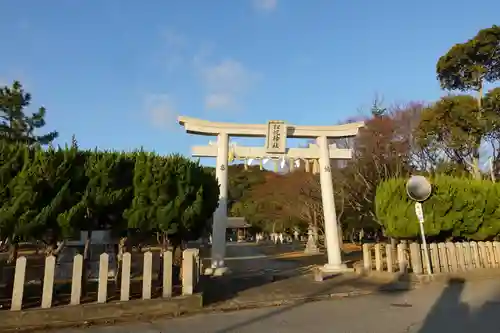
[(306, 290), (450, 314)]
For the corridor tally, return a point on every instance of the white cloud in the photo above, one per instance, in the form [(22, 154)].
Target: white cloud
[(161, 110), (265, 5), (175, 45), (226, 83), (220, 101)]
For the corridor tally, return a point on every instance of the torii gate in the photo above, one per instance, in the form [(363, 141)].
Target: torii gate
[(276, 133)]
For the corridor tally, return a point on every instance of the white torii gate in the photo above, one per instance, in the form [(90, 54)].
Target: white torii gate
[(276, 133)]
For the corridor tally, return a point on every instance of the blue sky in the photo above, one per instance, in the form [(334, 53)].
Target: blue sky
[(117, 73)]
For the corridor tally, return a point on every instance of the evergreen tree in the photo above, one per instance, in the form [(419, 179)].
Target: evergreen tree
[(106, 195), (15, 125), (58, 185), (17, 209)]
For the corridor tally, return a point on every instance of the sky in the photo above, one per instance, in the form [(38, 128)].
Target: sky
[(117, 73)]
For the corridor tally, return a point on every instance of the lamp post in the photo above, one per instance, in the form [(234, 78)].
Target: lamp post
[(419, 189)]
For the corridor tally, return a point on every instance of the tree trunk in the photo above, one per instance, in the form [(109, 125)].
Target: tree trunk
[(122, 249), (341, 236), (13, 252), (4, 246), (54, 249), (164, 248), (476, 171), (352, 238), (86, 262), (11, 261)]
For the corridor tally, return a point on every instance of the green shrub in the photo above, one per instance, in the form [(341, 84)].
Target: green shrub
[(51, 194), (458, 208)]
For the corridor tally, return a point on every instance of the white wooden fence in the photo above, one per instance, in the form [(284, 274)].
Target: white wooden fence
[(191, 267), (445, 257)]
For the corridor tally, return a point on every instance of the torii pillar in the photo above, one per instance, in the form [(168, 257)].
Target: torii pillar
[(276, 133)]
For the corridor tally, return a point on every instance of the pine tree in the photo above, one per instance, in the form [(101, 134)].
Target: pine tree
[(15, 125)]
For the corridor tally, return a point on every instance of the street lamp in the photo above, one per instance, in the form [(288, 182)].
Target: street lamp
[(419, 189)]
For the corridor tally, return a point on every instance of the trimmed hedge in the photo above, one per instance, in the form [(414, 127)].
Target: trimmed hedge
[(458, 207), (49, 194)]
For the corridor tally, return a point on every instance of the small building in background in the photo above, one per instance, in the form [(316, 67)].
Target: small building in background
[(237, 229)]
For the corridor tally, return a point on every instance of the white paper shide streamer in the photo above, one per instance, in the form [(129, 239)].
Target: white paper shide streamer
[(283, 162)]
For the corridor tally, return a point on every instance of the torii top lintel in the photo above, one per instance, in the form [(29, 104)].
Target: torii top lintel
[(205, 127)]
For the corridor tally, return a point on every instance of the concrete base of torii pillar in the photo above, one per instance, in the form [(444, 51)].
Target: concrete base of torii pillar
[(218, 271)]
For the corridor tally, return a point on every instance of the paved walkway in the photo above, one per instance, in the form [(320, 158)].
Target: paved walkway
[(457, 308), (243, 258)]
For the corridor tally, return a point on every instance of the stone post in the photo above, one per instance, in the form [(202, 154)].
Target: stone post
[(125, 277), (48, 282), (18, 286), (188, 266), (416, 258), (147, 275), (330, 216), (378, 257), (367, 258), (102, 289), (76, 280), (167, 274), (401, 255)]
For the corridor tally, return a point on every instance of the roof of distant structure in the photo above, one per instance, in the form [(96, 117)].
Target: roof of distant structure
[(237, 222)]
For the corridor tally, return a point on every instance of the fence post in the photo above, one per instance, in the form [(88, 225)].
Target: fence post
[(482, 255), (48, 282), (467, 255), (76, 280), (475, 254), (125, 277), (187, 272), (491, 255), (378, 257), (167, 274), (434, 252), (460, 256), (496, 247), (443, 258), (402, 262), (452, 256), (367, 258), (102, 289), (18, 287), (197, 266), (416, 258), (146, 275)]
